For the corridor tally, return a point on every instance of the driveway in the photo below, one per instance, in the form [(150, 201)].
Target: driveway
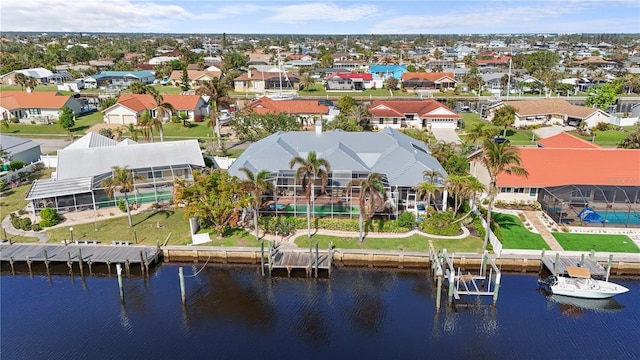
[(446, 135), (50, 145), (545, 132)]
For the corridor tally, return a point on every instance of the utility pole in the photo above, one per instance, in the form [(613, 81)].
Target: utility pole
[(509, 80)]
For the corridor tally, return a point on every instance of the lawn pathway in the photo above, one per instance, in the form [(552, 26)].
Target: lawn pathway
[(542, 230), (8, 227)]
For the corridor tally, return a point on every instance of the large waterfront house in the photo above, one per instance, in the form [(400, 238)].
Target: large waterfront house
[(40, 107), (196, 77), (129, 108), (348, 81), (435, 81), (42, 75), (82, 166), (551, 111), (420, 114), (398, 158), (261, 82), (568, 174), (302, 109), (118, 79)]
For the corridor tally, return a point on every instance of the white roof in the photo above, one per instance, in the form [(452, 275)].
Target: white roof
[(78, 162)]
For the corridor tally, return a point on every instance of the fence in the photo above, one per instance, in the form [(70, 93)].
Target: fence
[(493, 240), (49, 161), (14, 175)]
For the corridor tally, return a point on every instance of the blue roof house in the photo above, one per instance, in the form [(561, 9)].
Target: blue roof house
[(387, 71)]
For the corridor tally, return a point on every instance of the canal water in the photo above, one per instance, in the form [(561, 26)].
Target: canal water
[(235, 313)]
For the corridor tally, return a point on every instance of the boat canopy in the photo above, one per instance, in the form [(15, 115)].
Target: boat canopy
[(579, 272)]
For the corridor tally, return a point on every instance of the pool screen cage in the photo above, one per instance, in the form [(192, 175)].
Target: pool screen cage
[(591, 205), (336, 201)]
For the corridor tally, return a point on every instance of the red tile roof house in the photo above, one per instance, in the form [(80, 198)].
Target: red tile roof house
[(421, 114), (566, 174), (303, 109), (348, 81), (130, 107), (40, 107), (436, 81), (552, 111)]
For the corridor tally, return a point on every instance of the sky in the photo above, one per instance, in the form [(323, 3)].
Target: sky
[(321, 17)]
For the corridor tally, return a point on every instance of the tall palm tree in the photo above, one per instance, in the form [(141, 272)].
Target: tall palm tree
[(370, 190), (499, 158), (426, 189), (217, 92), (308, 171), (432, 175), (306, 81), (163, 110), (20, 79), (478, 131), (360, 114), (145, 122), (122, 180), (257, 184)]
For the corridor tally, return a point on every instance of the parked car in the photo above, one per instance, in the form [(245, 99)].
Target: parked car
[(500, 140)]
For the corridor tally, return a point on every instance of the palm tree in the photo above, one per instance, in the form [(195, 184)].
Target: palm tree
[(257, 184), (217, 92), (360, 114), (442, 151), (133, 132), (308, 171), (479, 131), (145, 122), (371, 189), (306, 81), (20, 79), (504, 116), (426, 190), (123, 181), (163, 109), (499, 158), (4, 124)]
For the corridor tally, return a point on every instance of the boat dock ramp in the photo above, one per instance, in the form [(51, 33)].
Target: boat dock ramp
[(80, 255)]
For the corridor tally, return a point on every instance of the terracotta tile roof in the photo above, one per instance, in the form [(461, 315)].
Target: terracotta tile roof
[(497, 60), (12, 100), (266, 105), (431, 76), (550, 106), (140, 102), (557, 167), (428, 108), (566, 141)]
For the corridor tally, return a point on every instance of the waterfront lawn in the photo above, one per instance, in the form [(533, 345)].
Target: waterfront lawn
[(411, 243), (319, 90), (606, 138), (83, 123), (515, 235), (597, 242)]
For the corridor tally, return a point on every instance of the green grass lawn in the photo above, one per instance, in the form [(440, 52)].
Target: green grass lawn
[(83, 123), (319, 90), (412, 243), (597, 242), (37, 88), (606, 138), (146, 228), (515, 235)]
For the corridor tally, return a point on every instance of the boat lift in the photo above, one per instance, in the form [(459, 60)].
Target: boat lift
[(481, 284)]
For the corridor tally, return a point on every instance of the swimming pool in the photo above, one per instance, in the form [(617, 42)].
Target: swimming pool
[(613, 217)]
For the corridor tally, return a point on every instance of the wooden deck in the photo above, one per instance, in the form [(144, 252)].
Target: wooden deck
[(290, 260), (105, 254), (594, 268)]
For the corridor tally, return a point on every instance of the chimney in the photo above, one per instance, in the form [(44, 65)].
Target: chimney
[(249, 74), (318, 126)]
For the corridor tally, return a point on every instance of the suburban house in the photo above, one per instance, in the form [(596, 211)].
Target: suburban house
[(129, 107), (260, 82), (353, 65), (348, 81), (78, 188), (118, 79), (38, 106), (43, 76), (303, 109), (552, 111), (398, 158), (20, 149), (420, 114), (567, 175), (196, 77), (437, 81), (386, 71)]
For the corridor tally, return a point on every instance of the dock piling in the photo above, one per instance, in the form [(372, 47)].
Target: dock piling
[(330, 255), (182, 291), (262, 257), (141, 263), (29, 265), (80, 262), (555, 264), (496, 287), (69, 262), (119, 271), (109, 267), (46, 260), (126, 267), (609, 267), (581, 260), (438, 292), (317, 259)]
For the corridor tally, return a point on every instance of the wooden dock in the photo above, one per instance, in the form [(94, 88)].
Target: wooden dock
[(291, 260), (81, 254), (558, 265)]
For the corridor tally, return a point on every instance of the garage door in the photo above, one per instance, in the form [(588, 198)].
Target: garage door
[(129, 119), (113, 119)]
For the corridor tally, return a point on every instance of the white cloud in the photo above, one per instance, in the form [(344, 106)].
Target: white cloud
[(88, 15), (321, 12)]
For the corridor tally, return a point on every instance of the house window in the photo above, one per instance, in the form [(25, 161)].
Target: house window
[(506, 189), (34, 112), (154, 174), (518, 190), (381, 122), (178, 172), (395, 121), (533, 191)]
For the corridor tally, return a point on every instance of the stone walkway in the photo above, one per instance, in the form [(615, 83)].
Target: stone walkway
[(8, 227), (535, 220)]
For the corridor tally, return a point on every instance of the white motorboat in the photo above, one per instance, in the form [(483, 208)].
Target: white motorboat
[(579, 283)]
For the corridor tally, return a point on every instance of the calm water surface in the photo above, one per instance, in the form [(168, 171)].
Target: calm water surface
[(235, 313)]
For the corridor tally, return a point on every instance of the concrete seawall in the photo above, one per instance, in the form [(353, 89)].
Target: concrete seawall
[(516, 261)]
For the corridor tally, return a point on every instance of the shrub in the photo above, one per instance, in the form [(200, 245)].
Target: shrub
[(49, 217), (20, 223), (406, 219), (36, 227), (122, 205), (16, 164), (441, 223), (22, 212), (477, 225)]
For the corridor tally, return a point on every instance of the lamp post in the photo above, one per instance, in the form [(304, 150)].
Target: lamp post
[(71, 232)]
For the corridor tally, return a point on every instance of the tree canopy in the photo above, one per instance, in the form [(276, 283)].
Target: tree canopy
[(251, 126)]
